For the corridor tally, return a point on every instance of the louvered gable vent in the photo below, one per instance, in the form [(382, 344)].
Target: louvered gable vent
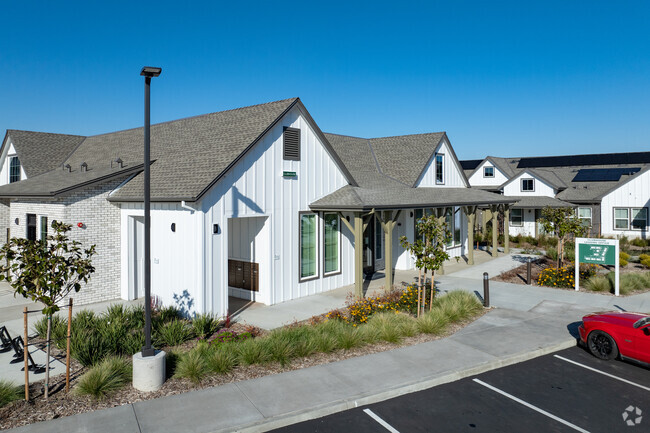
[(291, 144)]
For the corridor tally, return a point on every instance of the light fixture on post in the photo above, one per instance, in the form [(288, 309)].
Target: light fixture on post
[(149, 365)]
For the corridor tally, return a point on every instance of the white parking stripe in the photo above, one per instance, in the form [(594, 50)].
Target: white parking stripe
[(528, 405), (602, 372), (383, 423)]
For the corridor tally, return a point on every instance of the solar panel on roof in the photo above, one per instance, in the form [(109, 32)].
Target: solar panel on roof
[(603, 174), (598, 159)]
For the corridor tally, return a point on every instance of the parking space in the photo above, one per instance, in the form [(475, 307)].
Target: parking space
[(564, 392)]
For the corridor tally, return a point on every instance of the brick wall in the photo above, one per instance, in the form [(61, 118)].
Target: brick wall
[(101, 227)]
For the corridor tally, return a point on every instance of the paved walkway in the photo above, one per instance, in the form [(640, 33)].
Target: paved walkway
[(528, 322)]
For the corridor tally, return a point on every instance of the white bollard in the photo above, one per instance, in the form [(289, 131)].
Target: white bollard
[(149, 372)]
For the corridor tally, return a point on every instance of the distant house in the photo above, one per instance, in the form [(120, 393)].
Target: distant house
[(611, 192), (255, 203)]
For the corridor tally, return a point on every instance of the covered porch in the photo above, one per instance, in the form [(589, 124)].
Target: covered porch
[(384, 207)]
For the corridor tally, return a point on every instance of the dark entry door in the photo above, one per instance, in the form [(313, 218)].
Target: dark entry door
[(369, 248)]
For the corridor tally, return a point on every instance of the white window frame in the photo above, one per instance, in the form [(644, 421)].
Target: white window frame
[(521, 217), (338, 270), (581, 218), (440, 181), (626, 219), (485, 174), (523, 181), (316, 247)]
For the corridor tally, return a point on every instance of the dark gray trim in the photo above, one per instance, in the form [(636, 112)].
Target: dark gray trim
[(435, 167), (630, 226), (407, 206), (340, 259), (302, 279), (512, 224), (522, 185), (453, 153)]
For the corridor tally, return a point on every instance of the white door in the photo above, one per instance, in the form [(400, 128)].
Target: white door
[(136, 258)]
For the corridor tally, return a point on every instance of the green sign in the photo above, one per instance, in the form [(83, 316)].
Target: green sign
[(288, 174), (598, 254)]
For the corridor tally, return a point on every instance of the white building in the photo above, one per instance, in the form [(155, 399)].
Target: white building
[(255, 203)]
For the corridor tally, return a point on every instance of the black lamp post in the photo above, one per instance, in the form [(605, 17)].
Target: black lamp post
[(147, 72)]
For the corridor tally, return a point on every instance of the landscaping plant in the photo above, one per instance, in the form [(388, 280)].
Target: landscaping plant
[(104, 378), (563, 223), (46, 272), (9, 392)]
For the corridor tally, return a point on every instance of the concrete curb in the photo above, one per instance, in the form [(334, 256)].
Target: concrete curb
[(365, 399)]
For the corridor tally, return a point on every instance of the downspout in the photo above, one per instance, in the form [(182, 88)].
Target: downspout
[(186, 207)]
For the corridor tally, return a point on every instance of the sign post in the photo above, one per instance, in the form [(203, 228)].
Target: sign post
[(597, 252)]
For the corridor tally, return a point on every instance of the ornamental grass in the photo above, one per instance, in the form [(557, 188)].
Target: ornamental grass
[(108, 376), (9, 392)]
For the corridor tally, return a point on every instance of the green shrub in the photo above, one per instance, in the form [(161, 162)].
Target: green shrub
[(168, 314), (598, 283), (9, 392), (458, 305), (192, 365), (104, 378), (133, 342), (387, 326), (551, 253), (324, 341), (205, 325), (644, 259), (638, 242), (570, 254), (84, 320), (88, 347), (251, 352), (628, 282), (222, 360), (433, 322), (277, 349), (172, 333)]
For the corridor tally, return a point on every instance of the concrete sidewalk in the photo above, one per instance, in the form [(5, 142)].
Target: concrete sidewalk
[(528, 322)]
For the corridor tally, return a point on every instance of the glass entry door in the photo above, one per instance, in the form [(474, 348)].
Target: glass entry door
[(369, 248)]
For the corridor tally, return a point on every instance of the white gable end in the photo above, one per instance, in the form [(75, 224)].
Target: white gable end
[(478, 178), (8, 152), (452, 174), (516, 186)]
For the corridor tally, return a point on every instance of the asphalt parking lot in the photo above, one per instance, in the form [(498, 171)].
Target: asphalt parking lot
[(563, 392)]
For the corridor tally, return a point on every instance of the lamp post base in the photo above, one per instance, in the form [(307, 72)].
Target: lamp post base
[(148, 371)]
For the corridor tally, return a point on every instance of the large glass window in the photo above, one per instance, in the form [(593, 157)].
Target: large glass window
[(639, 218), (621, 218), (457, 226), (308, 245), (584, 214), (14, 169), (516, 217), (488, 171), (528, 184), (440, 168), (331, 242)]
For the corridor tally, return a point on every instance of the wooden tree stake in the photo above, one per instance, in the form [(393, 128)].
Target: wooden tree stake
[(67, 349)]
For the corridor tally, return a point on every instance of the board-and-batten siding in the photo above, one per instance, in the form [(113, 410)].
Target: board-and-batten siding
[(176, 266), (7, 152), (477, 179), (452, 176), (633, 194), (541, 188), (256, 187)]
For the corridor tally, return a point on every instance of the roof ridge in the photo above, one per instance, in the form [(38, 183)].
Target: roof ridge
[(41, 132), (343, 135), (409, 135), (195, 117), (381, 172)]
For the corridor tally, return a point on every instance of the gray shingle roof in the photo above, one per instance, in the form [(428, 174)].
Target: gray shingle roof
[(402, 197), (537, 201), (40, 152)]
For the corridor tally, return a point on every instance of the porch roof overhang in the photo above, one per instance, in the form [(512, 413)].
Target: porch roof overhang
[(351, 198), (535, 202)]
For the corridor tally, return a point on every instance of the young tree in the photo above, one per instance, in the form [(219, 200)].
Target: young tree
[(562, 222), (430, 254), (46, 272)]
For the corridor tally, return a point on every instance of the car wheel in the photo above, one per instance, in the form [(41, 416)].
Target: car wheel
[(602, 345)]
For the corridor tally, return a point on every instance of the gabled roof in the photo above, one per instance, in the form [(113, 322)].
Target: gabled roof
[(40, 152), (553, 183), (500, 163), (539, 201), (188, 155)]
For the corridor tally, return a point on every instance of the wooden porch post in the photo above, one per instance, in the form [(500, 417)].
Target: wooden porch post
[(388, 224), (357, 230), (506, 228), (495, 230), (470, 211)]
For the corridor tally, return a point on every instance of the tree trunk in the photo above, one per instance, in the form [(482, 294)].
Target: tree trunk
[(47, 359), (424, 292), (560, 252)]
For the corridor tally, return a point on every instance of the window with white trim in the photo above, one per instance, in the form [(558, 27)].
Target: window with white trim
[(331, 243), (308, 247), (43, 228), (584, 214), (440, 168), (621, 218), (516, 217), (488, 171), (528, 185)]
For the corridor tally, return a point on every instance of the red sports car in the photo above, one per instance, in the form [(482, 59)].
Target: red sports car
[(614, 333)]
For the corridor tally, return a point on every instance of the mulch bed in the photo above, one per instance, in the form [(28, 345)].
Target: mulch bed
[(61, 404)]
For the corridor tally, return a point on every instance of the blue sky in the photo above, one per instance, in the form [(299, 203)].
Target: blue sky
[(502, 78)]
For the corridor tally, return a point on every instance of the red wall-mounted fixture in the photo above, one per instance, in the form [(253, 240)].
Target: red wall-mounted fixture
[(80, 225)]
